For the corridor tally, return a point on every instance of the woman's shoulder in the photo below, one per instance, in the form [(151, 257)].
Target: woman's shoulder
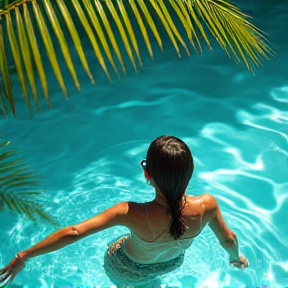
[(136, 207), (199, 204), (205, 206), (137, 211), (200, 199)]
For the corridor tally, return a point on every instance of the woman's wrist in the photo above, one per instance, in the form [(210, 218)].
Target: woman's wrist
[(19, 256), (235, 260), (241, 263)]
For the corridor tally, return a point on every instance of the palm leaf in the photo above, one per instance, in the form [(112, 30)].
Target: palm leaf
[(165, 24), (48, 45), (100, 19), (75, 37), (26, 55), (5, 73), (122, 32), (111, 36), (36, 54), (16, 180), (3, 99), (58, 31), (141, 26), (149, 20), (91, 36), (17, 57), (129, 29)]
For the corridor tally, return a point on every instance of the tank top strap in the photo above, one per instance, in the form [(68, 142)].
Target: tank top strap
[(150, 228), (147, 216)]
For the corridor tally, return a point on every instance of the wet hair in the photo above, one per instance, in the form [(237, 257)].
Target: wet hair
[(169, 162)]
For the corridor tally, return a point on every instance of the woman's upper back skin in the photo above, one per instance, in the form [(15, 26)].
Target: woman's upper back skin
[(150, 221)]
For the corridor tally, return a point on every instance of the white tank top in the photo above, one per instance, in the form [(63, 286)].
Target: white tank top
[(144, 252)]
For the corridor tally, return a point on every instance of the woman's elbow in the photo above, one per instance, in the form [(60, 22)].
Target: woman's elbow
[(230, 241), (72, 233)]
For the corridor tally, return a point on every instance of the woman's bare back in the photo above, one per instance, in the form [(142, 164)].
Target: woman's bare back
[(150, 221)]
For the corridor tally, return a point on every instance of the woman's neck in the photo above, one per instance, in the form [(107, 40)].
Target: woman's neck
[(160, 199)]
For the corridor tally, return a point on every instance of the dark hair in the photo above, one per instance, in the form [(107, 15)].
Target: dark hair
[(169, 162)]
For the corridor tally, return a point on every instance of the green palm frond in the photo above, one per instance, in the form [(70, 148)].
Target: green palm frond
[(15, 181), (22, 21)]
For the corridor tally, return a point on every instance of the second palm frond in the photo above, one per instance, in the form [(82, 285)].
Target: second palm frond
[(25, 22), (16, 180)]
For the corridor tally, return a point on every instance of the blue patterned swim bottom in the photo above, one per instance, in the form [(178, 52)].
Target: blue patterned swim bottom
[(122, 271)]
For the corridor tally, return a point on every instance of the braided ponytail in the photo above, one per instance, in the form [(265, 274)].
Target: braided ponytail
[(177, 224)]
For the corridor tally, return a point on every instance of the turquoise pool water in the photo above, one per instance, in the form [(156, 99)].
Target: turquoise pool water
[(89, 150)]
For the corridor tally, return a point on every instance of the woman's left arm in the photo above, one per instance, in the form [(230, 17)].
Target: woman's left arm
[(116, 215)]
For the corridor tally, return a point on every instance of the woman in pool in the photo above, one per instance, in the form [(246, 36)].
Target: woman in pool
[(160, 230)]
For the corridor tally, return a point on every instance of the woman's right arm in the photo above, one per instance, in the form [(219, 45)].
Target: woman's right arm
[(226, 237), (115, 215)]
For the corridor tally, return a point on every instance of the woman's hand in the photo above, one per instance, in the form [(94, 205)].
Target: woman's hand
[(242, 263), (8, 273)]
